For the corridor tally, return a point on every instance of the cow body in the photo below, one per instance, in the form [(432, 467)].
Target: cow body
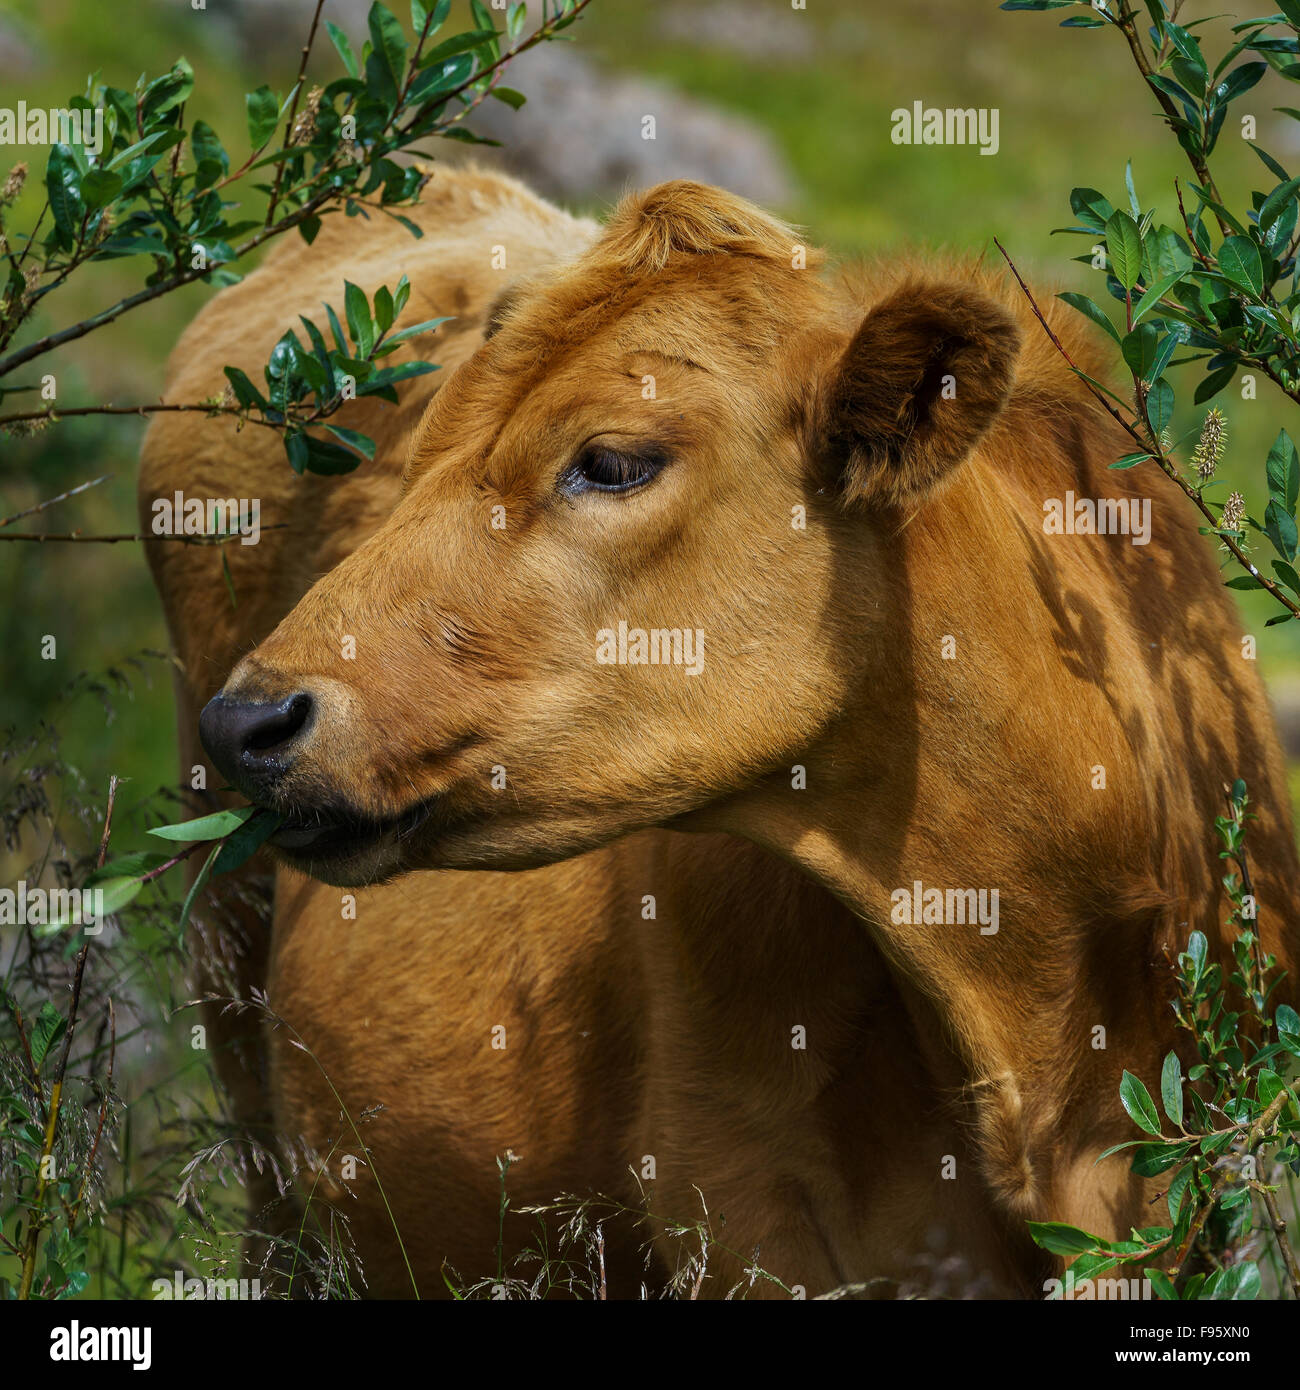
[(855, 1097)]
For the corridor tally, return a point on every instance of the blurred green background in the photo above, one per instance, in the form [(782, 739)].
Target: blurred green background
[(810, 92)]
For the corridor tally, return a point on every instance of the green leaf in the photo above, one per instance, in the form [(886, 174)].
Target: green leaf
[(1139, 349), (1162, 1284), (1277, 202), (512, 98), (211, 827), (1171, 1088), (390, 376), (62, 187), (1131, 460), (1167, 252), (46, 1030), (1239, 260), (196, 888), (1283, 471), (443, 77), (384, 308), (461, 43), (100, 186), (1155, 293), (1280, 528), (1287, 1020), (1085, 306), (205, 145), (1288, 577), (426, 327), (263, 115), (1136, 1099), (330, 459), (1160, 405), (357, 308), (386, 66), (1124, 244), (1164, 353), (126, 866), (125, 156), (361, 442), (1269, 1086), (1116, 1148), (1061, 1239), (1188, 47), (245, 841), (1238, 1282), (1150, 1160), (1213, 383), (1091, 207), (245, 392), (1178, 1186), (344, 48), (117, 893), (1239, 80), (165, 93), (295, 446)]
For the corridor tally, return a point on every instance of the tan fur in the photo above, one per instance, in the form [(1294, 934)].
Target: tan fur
[(776, 389)]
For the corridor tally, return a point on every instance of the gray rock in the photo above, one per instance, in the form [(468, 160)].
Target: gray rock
[(582, 133)]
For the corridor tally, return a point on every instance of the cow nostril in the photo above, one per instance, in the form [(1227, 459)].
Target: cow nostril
[(247, 738), (279, 726)]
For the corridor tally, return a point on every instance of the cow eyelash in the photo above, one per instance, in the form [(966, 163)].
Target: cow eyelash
[(599, 469)]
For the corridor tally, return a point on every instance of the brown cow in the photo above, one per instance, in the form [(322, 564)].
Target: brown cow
[(699, 538), (559, 957)]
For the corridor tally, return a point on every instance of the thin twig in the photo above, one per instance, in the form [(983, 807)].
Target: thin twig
[(293, 112), (50, 501), (77, 537), (1149, 446), (1276, 1220), (54, 415)]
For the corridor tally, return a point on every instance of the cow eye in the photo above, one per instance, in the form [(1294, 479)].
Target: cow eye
[(601, 469)]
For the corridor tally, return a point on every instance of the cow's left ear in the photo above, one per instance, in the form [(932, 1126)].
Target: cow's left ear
[(923, 378)]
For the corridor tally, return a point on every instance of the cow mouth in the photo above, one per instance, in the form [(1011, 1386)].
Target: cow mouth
[(320, 835)]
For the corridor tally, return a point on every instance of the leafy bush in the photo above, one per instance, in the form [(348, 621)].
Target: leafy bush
[(162, 190), (1220, 290)]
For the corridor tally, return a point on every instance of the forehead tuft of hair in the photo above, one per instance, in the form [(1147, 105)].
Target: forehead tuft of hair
[(648, 229)]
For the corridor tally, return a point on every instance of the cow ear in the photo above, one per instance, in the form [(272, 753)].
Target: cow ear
[(923, 378)]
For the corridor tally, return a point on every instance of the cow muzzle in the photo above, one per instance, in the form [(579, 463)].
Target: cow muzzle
[(252, 743)]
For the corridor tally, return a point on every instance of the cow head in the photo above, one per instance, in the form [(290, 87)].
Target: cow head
[(611, 594)]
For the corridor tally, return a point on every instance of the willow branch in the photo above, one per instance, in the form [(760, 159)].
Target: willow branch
[(1150, 446)]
